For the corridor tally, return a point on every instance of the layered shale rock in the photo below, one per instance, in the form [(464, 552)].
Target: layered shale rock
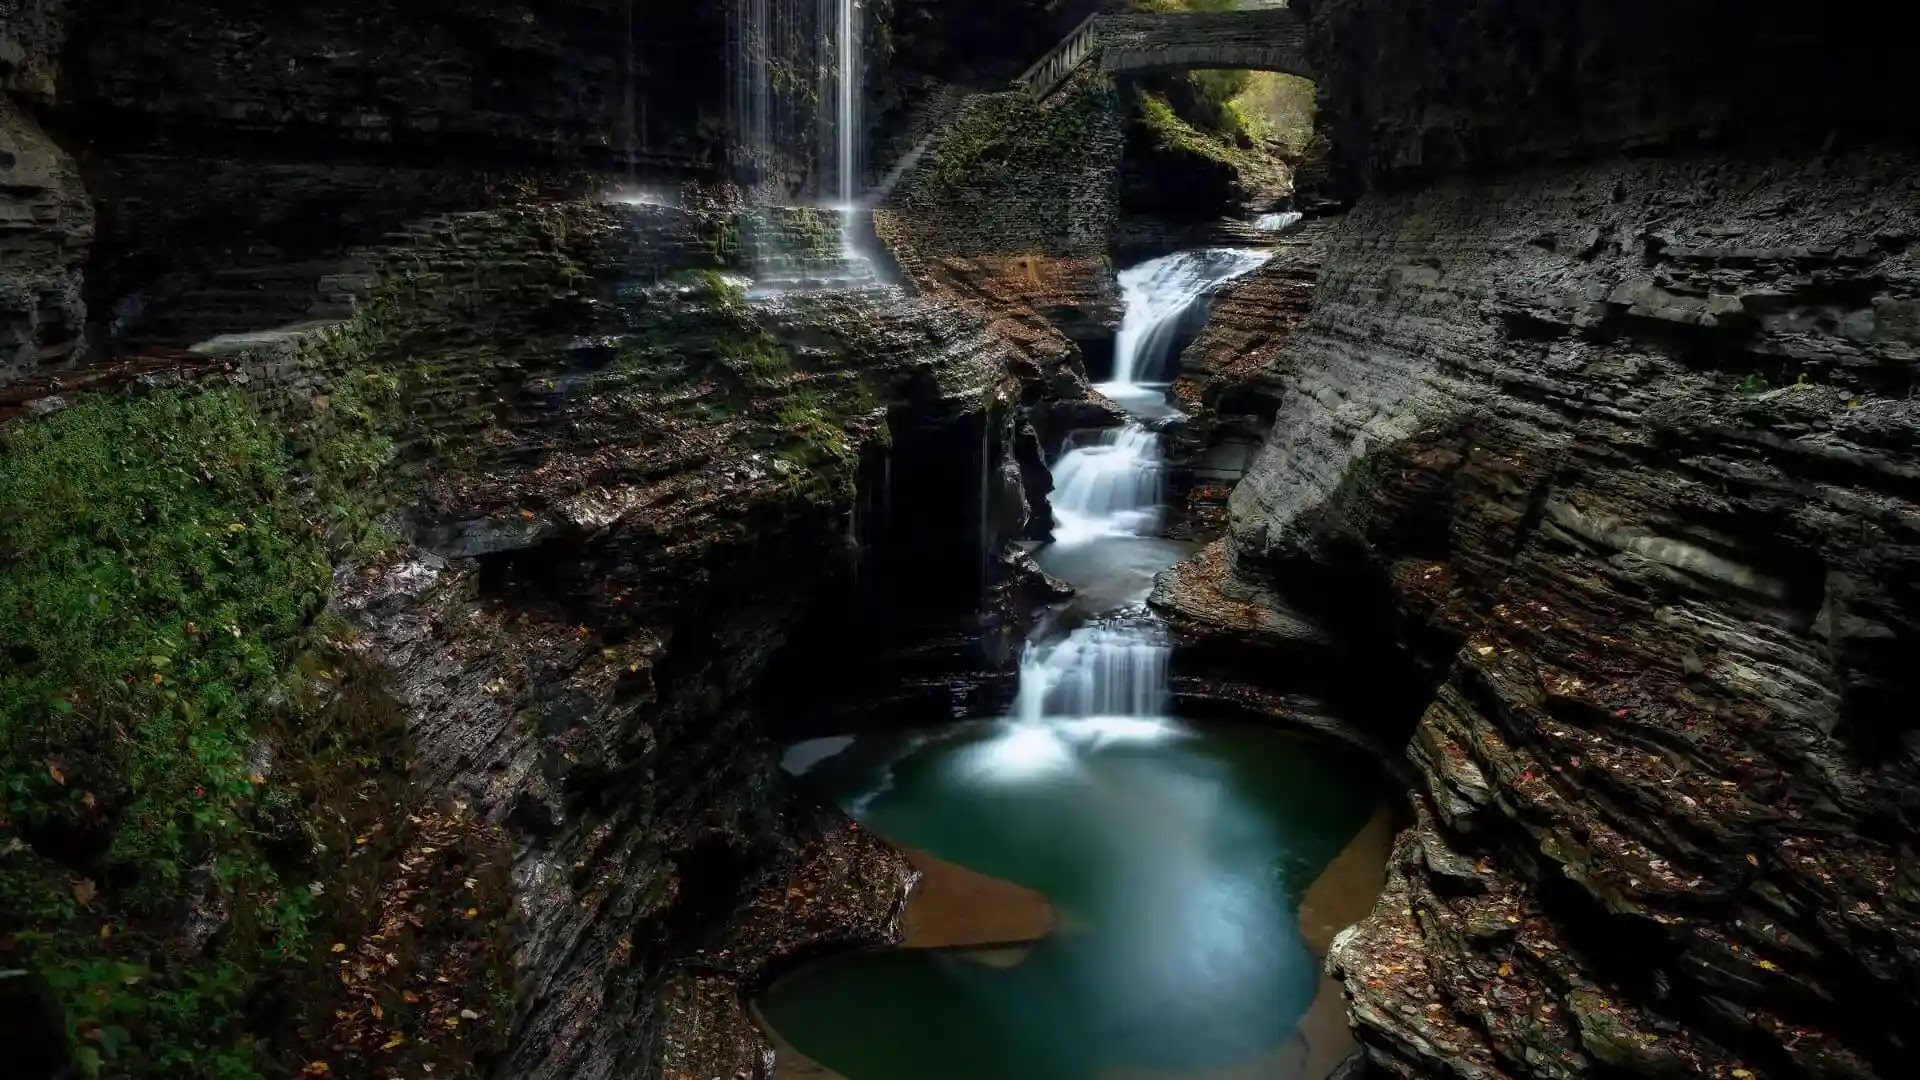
[(46, 228), (1230, 378), (1622, 457), (986, 215), (597, 490), (1607, 472)]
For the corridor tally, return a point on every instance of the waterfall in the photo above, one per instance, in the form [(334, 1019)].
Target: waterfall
[(1277, 222), (795, 95), (1102, 685), (1157, 294), (1111, 486), (1108, 681), (849, 143), (1116, 668)]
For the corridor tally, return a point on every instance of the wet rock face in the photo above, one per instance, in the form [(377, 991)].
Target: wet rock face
[(640, 493), (46, 227), (234, 149), (1420, 88), (31, 34), (1622, 457)]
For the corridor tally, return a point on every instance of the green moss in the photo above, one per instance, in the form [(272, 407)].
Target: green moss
[(1175, 134), (1274, 109), (164, 557), (163, 572), (1007, 136), (816, 434)]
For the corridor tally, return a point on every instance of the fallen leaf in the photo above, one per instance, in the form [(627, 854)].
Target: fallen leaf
[(84, 891), (338, 947), (469, 1014), (54, 770), (397, 1040), (473, 913)]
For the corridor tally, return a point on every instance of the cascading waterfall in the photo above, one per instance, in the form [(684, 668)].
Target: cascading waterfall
[(1110, 486), (1107, 680), (1157, 295), (1111, 668)]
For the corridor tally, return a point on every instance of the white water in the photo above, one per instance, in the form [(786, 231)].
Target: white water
[(1157, 293), (848, 42), (774, 121), (1102, 669), (1111, 486), (1277, 222), (1107, 681)]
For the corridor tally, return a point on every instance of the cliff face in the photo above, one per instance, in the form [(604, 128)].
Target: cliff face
[(1614, 462), (233, 151), (46, 221), (1419, 89), (580, 492)]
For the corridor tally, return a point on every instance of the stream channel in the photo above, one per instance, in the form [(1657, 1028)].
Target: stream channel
[(1109, 892)]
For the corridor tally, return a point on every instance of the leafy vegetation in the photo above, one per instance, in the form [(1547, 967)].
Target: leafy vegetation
[(1009, 136), (166, 555), (1174, 133), (163, 573)]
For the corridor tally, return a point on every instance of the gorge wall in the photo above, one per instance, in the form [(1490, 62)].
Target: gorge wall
[(1601, 432), (232, 152), (457, 520)]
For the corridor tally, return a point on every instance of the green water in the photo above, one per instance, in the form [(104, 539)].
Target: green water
[(1175, 862)]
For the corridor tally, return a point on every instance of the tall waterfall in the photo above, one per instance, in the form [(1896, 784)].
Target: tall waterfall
[(796, 85), (847, 40), (796, 71), (1157, 295)]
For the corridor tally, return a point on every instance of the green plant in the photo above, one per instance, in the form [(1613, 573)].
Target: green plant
[(162, 570), (1173, 133)]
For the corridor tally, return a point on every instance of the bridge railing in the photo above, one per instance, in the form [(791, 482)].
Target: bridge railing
[(1052, 69)]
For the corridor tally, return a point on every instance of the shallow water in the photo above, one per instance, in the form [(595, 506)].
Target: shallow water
[(1176, 859)]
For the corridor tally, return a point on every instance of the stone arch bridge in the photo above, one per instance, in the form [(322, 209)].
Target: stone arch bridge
[(1263, 39)]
